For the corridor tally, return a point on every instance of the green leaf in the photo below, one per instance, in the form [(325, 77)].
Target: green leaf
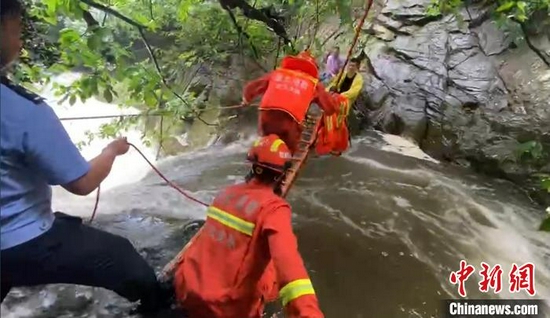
[(51, 19), (94, 41), (545, 225), (521, 6), (72, 100), (68, 36), (344, 11), (532, 148), (506, 6), (545, 183), (150, 99), (522, 17), (107, 95)]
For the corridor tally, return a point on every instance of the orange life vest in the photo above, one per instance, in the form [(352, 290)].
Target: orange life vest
[(334, 134), (223, 271), (291, 87)]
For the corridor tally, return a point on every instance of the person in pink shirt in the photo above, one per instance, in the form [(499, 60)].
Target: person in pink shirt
[(333, 64)]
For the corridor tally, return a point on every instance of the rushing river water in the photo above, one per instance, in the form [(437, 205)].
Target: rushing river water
[(379, 231)]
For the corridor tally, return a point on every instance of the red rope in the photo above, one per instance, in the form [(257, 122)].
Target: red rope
[(146, 114), (96, 203), (173, 185), (160, 174)]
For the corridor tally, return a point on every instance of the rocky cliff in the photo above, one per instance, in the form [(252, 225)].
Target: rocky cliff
[(460, 87)]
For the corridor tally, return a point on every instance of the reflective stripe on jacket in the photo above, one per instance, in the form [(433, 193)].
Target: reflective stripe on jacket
[(334, 134), (222, 272)]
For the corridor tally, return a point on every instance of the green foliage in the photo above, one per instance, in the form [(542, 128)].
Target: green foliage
[(534, 152), (519, 11), (155, 67), (545, 225), (530, 150), (545, 182)]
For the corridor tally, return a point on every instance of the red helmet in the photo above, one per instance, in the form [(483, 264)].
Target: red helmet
[(270, 152), (306, 55), (303, 62)]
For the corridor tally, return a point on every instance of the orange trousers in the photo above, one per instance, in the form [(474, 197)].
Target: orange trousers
[(281, 124)]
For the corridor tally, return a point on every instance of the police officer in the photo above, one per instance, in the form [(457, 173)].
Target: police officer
[(40, 247)]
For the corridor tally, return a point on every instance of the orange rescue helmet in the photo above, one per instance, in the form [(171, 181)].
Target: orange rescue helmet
[(303, 62), (270, 152)]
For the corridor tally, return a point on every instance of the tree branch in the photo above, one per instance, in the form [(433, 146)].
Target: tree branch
[(163, 79), (243, 33), (262, 15), (330, 36), (317, 24), (160, 138), (141, 29), (151, 9), (277, 55), (91, 22), (117, 14)]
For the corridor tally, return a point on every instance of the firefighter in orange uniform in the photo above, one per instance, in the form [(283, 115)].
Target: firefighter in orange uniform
[(248, 227), (333, 135), (288, 92)]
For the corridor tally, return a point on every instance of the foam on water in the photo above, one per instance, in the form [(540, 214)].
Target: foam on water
[(404, 147), (121, 172), (127, 169), (480, 230)]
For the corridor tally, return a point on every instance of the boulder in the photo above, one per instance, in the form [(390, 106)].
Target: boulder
[(459, 87)]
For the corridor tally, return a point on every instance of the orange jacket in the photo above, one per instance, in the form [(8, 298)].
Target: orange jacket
[(282, 92), (223, 273)]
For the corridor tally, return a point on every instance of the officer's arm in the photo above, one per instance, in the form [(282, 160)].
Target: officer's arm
[(325, 100), (49, 149), (296, 293), (255, 88), (100, 167)]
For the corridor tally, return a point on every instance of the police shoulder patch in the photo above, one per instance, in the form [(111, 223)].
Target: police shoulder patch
[(21, 91)]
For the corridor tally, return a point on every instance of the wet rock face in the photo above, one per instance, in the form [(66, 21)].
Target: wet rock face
[(455, 85), (538, 32)]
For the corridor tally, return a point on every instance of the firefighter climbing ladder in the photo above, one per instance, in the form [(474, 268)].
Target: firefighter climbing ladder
[(307, 142), (309, 135)]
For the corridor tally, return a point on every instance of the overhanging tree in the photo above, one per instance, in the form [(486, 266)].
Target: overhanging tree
[(146, 53)]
